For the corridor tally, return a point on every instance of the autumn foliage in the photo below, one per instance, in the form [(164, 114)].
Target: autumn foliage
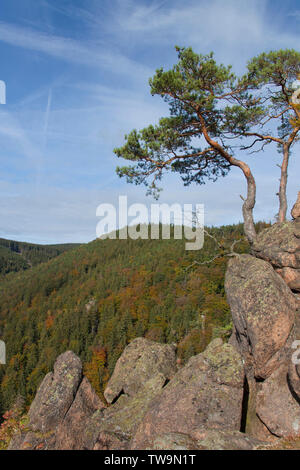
[(95, 299)]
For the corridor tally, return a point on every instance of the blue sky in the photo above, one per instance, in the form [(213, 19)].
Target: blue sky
[(77, 74)]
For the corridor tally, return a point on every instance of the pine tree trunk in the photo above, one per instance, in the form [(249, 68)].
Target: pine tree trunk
[(283, 184)]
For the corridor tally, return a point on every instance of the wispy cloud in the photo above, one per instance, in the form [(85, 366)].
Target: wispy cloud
[(75, 12), (67, 49), (206, 20), (235, 30)]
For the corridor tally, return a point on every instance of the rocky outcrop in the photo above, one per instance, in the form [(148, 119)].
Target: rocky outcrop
[(263, 310), (150, 359), (262, 292), (208, 391), (66, 413)]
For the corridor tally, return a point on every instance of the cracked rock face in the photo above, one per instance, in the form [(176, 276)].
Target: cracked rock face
[(263, 310)]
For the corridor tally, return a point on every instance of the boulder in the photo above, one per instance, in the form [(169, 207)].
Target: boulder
[(279, 244), (291, 276), (141, 360), (56, 393), (276, 407), (114, 427), (207, 391), (263, 311), (295, 213)]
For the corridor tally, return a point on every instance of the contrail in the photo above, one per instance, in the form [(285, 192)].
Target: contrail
[(44, 140), (47, 115)]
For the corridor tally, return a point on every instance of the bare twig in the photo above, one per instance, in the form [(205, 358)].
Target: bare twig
[(230, 252)]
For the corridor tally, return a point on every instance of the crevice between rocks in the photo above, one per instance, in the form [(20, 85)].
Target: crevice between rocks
[(166, 383), (268, 429), (75, 393), (245, 406), (117, 397)]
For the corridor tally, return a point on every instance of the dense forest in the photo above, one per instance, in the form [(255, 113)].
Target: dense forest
[(97, 297), (17, 256)]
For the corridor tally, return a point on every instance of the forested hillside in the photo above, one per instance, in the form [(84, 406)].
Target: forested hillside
[(97, 297), (17, 256)]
